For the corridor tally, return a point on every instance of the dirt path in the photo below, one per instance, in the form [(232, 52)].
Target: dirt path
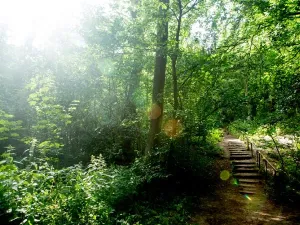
[(226, 206)]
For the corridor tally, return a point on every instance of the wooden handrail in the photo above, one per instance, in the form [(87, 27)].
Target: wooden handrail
[(259, 157), (267, 163)]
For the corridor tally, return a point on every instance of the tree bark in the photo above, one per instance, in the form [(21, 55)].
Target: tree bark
[(174, 58), (156, 114)]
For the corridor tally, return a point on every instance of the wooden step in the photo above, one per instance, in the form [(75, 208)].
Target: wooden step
[(244, 165), (246, 175), (239, 157), (241, 170), (247, 167), (248, 192), (240, 154), (252, 181), (248, 188), (249, 161), (237, 150), (248, 185), (244, 168), (245, 157)]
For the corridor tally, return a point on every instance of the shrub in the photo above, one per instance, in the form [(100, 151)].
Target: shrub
[(242, 127), (143, 193), (215, 136), (40, 194)]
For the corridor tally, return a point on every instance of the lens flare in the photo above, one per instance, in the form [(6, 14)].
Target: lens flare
[(224, 175), (235, 182), (247, 197), (155, 112), (172, 128)]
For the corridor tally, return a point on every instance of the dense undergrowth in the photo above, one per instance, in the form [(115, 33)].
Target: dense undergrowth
[(150, 191), (281, 144)]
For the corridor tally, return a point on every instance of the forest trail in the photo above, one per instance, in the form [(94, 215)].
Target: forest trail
[(244, 202)]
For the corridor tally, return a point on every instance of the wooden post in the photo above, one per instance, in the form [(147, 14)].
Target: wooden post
[(266, 168), (259, 160), (256, 158), (247, 144), (251, 148)]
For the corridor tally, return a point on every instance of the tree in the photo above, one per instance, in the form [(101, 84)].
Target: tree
[(181, 9), (156, 114)]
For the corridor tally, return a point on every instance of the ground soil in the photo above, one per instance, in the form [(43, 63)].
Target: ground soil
[(226, 206)]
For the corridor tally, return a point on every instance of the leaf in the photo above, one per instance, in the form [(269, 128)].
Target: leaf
[(18, 162)]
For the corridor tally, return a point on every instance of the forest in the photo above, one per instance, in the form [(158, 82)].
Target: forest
[(117, 117)]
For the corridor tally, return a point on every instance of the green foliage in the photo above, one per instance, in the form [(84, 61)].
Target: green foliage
[(37, 193), (215, 136), (88, 90), (51, 118), (242, 127), (43, 195), (40, 194), (8, 127)]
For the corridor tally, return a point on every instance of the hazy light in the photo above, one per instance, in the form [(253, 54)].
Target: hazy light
[(235, 182), (39, 19), (247, 197), (155, 112), (224, 175), (172, 128)]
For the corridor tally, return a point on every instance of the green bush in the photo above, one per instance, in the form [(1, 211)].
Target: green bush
[(34, 192), (242, 127), (40, 194), (215, 136)]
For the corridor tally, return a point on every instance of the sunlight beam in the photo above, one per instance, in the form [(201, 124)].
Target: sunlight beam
[(38, 20)]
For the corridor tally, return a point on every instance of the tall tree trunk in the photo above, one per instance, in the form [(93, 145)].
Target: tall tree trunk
[(174, 58), (156, 114)]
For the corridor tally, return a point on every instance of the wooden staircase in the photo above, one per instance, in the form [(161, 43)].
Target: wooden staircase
[(244, 167)]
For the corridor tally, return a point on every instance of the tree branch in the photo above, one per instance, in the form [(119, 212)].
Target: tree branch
[(294, 14), (174, 13), (277, 149), (192, 7)]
